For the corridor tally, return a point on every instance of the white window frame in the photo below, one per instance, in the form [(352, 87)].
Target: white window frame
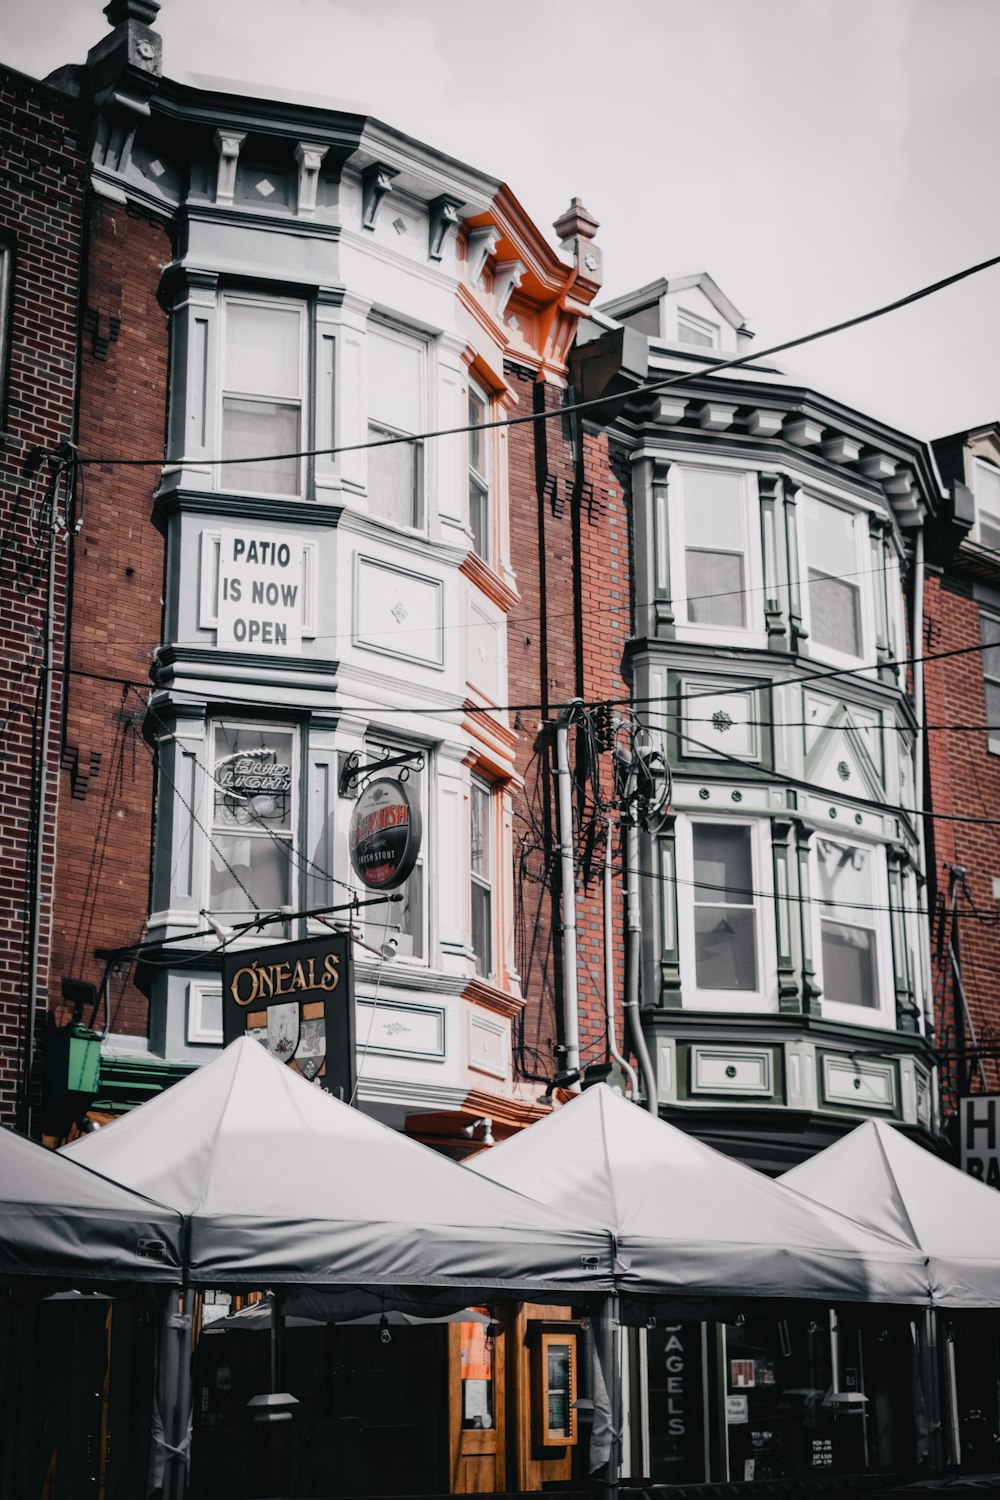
[(765, 997), (200, 993), (375, 428), (754, 633), (375, 922), (292, 839), (697, 324), (882, 1015), (246, 299), (862, 581), (482, 481), (487, 883), (992, 737), (979, 464)]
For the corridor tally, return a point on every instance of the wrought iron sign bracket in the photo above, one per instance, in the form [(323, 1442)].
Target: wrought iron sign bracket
[(353, 773)]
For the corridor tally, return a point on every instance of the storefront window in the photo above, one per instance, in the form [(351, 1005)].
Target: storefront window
[(780, 1422)]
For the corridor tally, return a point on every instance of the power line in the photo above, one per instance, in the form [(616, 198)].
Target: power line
[(649, 388)]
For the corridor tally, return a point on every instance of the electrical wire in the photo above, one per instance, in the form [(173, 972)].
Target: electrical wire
[(648, 388)]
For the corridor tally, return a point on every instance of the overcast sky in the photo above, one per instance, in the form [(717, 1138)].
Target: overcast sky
[(818, 157)]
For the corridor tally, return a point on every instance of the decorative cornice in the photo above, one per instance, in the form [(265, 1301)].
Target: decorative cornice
[(489, 997), (442, 215), (376, 181), (223, 507)]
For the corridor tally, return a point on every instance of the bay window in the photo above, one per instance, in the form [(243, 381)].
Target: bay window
[(851, 901), (252, 833), (986, 487), (481, 872), (726, 952), (263, 382), (716, 561), (395, 409), (479, 474), (725, 938), (834, 593)]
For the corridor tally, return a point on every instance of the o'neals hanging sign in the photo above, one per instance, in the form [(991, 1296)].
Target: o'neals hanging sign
[(384, 835), (297, 1000)]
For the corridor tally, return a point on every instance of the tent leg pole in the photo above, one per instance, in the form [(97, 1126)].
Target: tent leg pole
[(932, 1389), (954, 1432), (610, 1357), (177, 1423)]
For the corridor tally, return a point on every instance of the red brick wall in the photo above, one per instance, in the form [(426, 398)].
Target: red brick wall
[(102, 881), (964, 780), (40, 207), (569, 544)]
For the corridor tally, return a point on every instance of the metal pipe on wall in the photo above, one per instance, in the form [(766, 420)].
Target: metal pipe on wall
[(632, 961), (609, 968), (564, 790)]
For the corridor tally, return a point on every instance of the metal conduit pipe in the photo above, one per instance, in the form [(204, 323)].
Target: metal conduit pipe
[(632, 958), (918, 772), (609, 970), (564, 790)]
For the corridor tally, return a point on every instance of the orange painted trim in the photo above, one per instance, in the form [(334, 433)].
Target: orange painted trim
[(489, 583), (492, 998)]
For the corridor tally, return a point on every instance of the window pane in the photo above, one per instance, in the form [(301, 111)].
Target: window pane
[(262, 865), (993, 707), (713, 508), (482, 941), (251, 428), (834, 613), (848, 964), (480, 807), (844, 873), (715, 588), (725, 948), (393, 479), (405, 921), (394, 382), (830, 537), (479, 519), (263, 350), (723, 865), (477, 440), (694, 330)]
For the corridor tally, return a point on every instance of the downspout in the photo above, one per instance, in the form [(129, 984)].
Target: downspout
[(564, 794), (632, 960), (609, 970), (918, 771)]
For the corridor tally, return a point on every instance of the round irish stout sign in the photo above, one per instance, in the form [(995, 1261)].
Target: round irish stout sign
[(385, 834)]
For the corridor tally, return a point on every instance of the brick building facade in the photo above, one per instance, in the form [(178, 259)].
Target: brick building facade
[(40, 236), (962, 629)]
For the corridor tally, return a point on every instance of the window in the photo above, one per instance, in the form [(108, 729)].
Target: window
[(262, 391), (715, 576), (479, 475), (990, 626), (986, 481), (251, 854), (725, 919), (403, 924), (395, 407), (834, 594), (848, 942), (694, 330), (481, 847)]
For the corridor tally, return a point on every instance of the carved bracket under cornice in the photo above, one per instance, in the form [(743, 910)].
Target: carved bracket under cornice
[(507, 277), (482, 244), (376, 181), (310, 159), (442, 216), (227, 144)]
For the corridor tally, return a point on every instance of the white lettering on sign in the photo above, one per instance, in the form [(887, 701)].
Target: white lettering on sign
[(674, 1362), (260, 590), (980, 1125)]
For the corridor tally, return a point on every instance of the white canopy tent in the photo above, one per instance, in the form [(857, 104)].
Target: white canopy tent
[(890, 1184), (61, 1221), (690, 1222), (282, 1184)]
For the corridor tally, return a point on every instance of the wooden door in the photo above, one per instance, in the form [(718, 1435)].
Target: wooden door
[(476, 1404)]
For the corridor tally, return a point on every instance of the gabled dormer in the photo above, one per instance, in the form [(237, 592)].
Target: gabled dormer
[(688, 310)]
